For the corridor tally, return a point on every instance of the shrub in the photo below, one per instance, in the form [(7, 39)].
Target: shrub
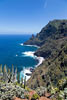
[(35, 96), (27, 96)]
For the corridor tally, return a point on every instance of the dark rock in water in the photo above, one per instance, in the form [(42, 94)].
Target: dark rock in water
[(31, 69), (28, 74)]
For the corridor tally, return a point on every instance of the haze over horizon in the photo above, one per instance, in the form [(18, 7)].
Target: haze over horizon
[(29, 16)]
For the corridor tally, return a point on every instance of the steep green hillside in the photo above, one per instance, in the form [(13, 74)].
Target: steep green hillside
[(53, 30), (51, 70), (53, 47)]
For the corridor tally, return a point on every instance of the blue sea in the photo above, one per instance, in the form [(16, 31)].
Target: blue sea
[(12, 51)]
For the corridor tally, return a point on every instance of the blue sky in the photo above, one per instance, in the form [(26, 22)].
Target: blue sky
[(29, 16)]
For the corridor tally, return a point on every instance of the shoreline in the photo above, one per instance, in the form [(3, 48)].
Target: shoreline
[(40, 59), (30, 45), (27, 70)]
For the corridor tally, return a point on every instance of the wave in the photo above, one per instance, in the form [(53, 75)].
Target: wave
[(33, 46), (40, 59), (29, 54), (27, 70), (30, 45), (24, 72), (16, 55), (21, 44)]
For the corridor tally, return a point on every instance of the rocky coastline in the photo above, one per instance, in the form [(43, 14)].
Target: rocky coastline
[(50, 77)]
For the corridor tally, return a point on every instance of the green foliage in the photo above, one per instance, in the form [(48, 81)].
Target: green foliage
[(28, 89), (16, 83), (35, 97), (27, 96), (62, 83), (52, 40), (54, 90), (61, 95)]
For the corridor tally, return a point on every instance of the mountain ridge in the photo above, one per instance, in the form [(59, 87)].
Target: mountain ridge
[(52, 40), (47, 31)]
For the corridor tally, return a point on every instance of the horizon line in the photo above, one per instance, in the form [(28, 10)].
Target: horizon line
[(18, 32)]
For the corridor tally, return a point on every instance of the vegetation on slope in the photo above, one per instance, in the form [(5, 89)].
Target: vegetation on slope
[(53, 47), (53, 68), (53, 30)]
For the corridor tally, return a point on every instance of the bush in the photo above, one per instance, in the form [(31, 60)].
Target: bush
[(35, 96), (27, 96), (41, 91), (28, 89)]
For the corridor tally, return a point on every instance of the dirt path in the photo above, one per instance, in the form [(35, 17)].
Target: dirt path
[(33, 92), (42, 98), (19, 99)]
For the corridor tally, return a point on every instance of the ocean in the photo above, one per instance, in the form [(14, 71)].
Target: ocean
[(12, 51)]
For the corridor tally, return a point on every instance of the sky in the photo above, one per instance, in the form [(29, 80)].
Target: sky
[(29, 16)]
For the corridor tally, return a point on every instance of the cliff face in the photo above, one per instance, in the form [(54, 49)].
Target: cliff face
[(53, 30), (51, 70), (53, 47)]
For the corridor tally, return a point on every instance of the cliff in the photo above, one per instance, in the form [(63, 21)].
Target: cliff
[(53, 47), (53, 30)]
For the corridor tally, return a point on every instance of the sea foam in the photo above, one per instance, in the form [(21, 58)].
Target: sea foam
[(33, 46), (16, 55), (29, 54), (21, 44), (23, 73), (40, 59), (30, 45)]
